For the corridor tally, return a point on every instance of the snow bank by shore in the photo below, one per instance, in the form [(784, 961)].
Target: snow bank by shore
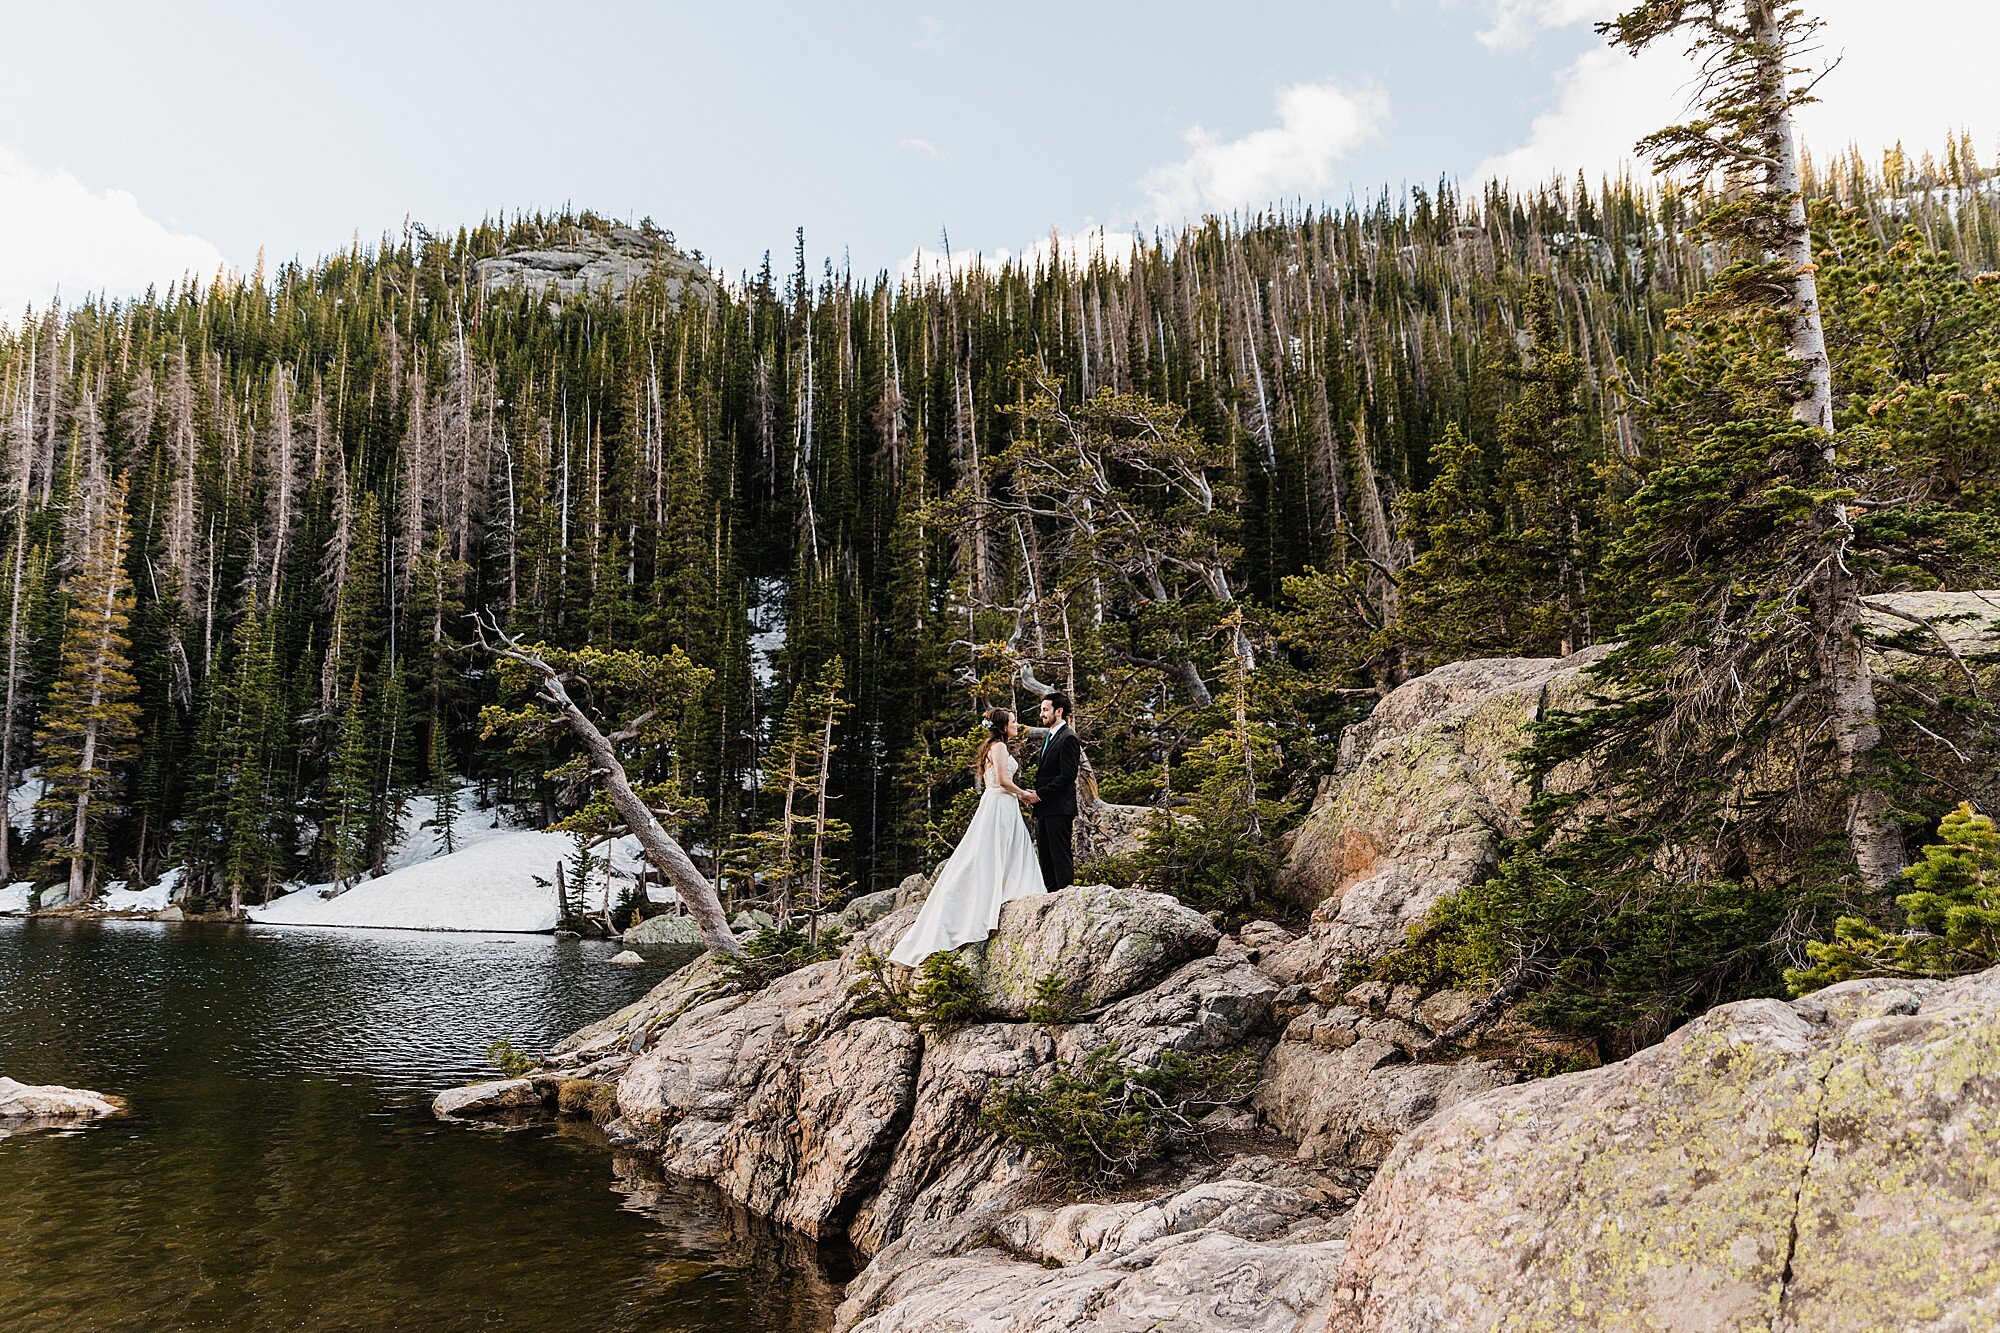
[(489, 885), (499, 878)]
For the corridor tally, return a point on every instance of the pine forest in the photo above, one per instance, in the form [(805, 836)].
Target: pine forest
[(261, 533)]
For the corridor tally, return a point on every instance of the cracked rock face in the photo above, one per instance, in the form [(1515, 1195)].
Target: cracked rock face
[(1425, 795), (1212, 1003), (1350, 1105), (1829, 1163), (1246, 1251), (1098, 942), (946, 1161)]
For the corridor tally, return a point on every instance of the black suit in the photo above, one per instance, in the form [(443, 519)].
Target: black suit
[(1055, 811)]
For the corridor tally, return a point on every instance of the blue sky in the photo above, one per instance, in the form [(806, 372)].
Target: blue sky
[(139, 140)]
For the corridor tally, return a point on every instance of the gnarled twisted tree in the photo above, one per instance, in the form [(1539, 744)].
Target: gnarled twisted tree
[(1759, 514), (552, 681)]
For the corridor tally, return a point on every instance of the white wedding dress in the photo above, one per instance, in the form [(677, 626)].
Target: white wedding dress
[(993, 863)]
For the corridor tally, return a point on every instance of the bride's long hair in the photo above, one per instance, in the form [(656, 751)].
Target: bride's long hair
[(996, 721)]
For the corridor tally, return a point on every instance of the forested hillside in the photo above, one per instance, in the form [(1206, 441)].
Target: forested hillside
[(1225, 496)]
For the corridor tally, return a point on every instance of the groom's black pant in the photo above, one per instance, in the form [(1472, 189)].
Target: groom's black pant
[(1052, 838)]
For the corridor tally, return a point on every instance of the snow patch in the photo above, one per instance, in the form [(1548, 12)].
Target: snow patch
[(502, 881), (117, 897), (15, 898), (22, 800), (767, 640)]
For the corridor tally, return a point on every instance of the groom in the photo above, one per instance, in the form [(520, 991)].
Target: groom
[(1054, 796)]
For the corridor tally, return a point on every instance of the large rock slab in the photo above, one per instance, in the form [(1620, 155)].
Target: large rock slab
[(709, 1061), (494, 1097), (1100, 943), (946, 1162), (1209, 1004), (668, 937), (53, 1102), (819, 1130), (1425, 793), (1825, 1164), (1212, 1257), (1350, 1106)]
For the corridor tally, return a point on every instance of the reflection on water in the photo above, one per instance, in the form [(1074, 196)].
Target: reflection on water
[(280, 1168)]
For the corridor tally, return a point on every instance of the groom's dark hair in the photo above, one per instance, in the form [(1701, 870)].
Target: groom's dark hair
[(1059, 701)]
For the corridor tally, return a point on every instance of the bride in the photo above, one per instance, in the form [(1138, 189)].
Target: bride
[(993, 863)]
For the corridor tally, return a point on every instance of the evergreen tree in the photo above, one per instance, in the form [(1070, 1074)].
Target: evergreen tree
[(1739, 548), (92, 718), (255, 844), (443, 791), (350, 796)]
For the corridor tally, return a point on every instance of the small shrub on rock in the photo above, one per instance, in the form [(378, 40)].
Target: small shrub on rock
[(1052, 1003), (1096, 1122), (1219, 859), (508, 1059), (769, 954), (1952, 916), (945, 994), (1619, 959)]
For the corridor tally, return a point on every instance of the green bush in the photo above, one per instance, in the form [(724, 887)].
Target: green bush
[(1620, 959), (1095, 1123), (944, 995), (1052, 1003), (1952, 916), (509, 1060), (1212, 861), (768, 954)]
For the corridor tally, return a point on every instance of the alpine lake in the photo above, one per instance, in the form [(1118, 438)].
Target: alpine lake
[(280, 1167)]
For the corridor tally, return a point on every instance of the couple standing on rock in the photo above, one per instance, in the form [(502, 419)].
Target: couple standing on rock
[(995, 862)]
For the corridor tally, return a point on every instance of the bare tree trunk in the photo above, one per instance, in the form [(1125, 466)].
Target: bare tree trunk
[(819, 821), (13, 660), (667, 855), (1879, 855)]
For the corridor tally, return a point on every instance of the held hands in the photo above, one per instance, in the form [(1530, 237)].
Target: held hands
[(1031, 798)]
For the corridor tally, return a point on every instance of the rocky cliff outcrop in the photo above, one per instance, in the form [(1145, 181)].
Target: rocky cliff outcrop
[(1425, 790), (1832, 1163), (1823, 1164), (608, 262), (835, 1122), (1425, 793), (832, 1122)]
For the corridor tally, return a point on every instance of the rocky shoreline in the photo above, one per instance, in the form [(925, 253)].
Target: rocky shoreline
[(1828, 1163)]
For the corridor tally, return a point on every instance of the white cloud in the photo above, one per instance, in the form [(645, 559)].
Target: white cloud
[(926, 147), (1897, 81), (58, 236), (1515, 21), (1318, 125)]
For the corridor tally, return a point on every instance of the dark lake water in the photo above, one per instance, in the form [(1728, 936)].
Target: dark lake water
[(281, 1169)]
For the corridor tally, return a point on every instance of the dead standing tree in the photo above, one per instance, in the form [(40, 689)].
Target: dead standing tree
[(1136, 508), (667, 855)]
